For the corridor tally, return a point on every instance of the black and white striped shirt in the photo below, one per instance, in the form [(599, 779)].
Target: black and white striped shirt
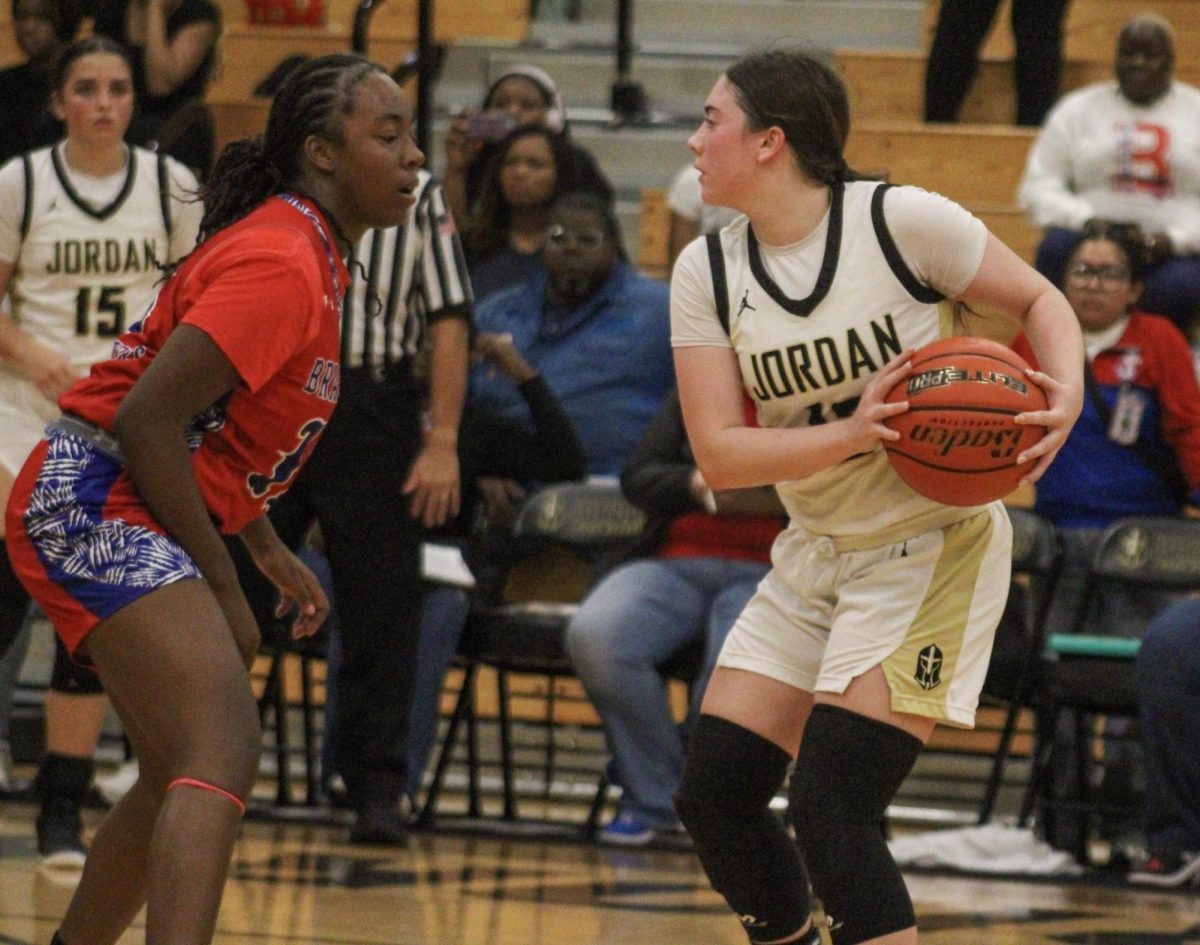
[(417, 272)]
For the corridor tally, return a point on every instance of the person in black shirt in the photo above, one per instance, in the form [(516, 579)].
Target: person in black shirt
[(43, 29), (523, 95), (173, 45)]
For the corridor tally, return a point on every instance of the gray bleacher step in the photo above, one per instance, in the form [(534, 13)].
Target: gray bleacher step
[(888, 24), (673, 83)]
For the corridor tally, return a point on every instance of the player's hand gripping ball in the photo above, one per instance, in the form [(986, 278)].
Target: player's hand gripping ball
[(958, 442)]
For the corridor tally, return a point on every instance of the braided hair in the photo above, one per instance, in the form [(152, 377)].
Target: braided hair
[(797, 91), (314, 100)]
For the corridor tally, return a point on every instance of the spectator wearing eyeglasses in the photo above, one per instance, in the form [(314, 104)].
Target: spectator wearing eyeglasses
[(596, 330), (503, 240), (1126, 150), (1135, 450)]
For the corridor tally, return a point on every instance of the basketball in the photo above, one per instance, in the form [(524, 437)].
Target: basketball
[(958, 443)]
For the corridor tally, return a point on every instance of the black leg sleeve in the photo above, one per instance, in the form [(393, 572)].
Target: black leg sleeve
[(728, 781)]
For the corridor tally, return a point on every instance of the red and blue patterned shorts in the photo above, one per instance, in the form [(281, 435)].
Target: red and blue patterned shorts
[(81, 552)]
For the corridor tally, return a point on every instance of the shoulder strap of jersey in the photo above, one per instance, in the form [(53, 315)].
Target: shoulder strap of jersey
[(716, 262), (915, 288), (27, 212), (164, 191)]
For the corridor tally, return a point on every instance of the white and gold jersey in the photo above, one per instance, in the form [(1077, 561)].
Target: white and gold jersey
[(812, 322), (86, 250)]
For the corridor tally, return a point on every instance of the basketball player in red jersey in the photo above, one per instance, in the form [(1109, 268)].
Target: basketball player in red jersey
[(876, 620), (204, 414)]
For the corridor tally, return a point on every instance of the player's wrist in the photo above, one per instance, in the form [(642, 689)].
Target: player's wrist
[(446, 436)]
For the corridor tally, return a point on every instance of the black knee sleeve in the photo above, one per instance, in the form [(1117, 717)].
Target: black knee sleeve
[(848, 771), (69, 677), (729, 778), (14, 602)]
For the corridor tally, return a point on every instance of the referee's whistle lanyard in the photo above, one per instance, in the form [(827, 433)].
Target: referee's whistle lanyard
[(294, 201)]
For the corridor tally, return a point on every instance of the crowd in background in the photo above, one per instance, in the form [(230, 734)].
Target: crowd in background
[(502, 340)]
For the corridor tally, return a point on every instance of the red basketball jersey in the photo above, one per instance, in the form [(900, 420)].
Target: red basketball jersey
[(267, 290)]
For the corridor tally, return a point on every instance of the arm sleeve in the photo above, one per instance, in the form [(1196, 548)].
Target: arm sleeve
[(186, 210), (12, 208), (444, 282), (261, 280), (1045, 191), (694, 319), (940, 242), (556, 447), (656, 477), (492, 445)]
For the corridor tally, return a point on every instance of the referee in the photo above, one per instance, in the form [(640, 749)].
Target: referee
[(385, 468)]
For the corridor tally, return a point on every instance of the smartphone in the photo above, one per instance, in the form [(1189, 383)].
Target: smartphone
[(489, 126)]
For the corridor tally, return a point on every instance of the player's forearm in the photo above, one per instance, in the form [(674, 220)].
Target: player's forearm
[(741, 457)]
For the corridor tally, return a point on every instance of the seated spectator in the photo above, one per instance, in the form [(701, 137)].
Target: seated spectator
[(690, 215), (173, 45), (523, 95), (1135, 450), (1127, 151), (42, 30), (705, 555), (1168, 688), (596, 331), (503, 241)]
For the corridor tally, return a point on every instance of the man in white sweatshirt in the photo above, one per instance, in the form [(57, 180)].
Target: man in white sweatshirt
[(1127, 151)]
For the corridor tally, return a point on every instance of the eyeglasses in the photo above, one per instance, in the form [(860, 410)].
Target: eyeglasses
[(558, 237), (1108, 277)]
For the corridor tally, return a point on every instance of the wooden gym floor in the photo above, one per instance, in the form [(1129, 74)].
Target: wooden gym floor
[(294, 883)]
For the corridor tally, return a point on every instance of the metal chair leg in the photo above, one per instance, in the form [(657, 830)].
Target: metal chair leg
[(506, 750), (461, 709)]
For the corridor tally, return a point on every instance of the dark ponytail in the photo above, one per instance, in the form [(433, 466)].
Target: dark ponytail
[(315, 100), (797, 91)]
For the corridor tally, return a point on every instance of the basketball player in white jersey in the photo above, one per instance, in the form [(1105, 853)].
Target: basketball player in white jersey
[(84, 227), (876, 621)]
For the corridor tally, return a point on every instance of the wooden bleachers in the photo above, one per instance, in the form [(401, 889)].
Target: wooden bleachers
[(979, 166), (249, 52)]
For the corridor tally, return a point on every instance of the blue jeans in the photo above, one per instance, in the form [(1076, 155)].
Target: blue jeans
[(1168, 684), (639, 616)]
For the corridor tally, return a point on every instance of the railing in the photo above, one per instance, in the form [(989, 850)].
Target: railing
[(426, 60)]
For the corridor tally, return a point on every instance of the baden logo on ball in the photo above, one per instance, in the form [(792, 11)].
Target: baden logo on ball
[(958, 440)]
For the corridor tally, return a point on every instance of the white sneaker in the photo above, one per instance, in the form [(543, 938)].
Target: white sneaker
[(115, 786)]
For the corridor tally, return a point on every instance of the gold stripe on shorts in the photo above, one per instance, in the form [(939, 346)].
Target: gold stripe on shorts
[(919, 671)]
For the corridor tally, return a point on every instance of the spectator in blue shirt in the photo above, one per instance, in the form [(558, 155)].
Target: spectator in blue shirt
[(596, 330)]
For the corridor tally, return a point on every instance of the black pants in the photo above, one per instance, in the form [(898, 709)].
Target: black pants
[(954, 55), (351, 485)]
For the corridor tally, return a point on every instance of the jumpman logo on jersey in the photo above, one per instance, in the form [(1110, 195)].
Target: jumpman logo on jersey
[(745, 305)]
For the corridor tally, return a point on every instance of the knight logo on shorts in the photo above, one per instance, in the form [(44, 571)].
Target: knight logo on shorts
[(929, 667)]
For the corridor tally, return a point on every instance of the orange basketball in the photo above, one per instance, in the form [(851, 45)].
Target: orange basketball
[(958, 443)]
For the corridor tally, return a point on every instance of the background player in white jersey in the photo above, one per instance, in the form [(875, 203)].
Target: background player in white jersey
[(84, 226), (877, 618)]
